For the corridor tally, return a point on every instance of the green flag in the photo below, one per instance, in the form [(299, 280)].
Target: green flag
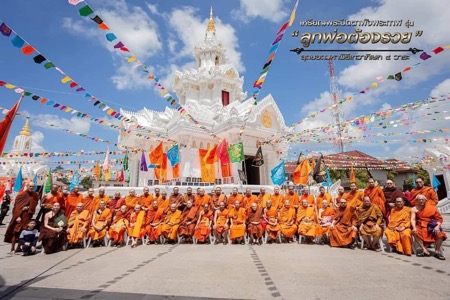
[(236, 152), (48, 182), (125, 162)]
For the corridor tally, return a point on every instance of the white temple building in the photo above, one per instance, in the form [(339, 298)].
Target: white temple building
[(438, 164), (213, 94)]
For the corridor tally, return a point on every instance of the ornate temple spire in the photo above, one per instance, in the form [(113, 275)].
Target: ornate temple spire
[(25, 129), (211, 25)]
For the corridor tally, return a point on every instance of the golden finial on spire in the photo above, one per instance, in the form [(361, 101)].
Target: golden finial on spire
[(211, 25), (26, 129)]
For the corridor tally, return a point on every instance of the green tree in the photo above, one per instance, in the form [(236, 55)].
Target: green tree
[(391, 175), (86, 182)]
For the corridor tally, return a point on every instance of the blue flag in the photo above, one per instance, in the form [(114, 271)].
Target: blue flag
[(35, 182), (18, 182), (278, 174), (329, 181), (75, 181), (173, 155), (435, 183)]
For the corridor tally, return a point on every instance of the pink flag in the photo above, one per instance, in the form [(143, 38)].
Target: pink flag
[(222, 152)]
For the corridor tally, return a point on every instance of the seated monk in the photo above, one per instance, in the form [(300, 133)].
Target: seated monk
[(426, 222), (136, 228), (287, 222), (154, 221), (249, 198), (72, 199), (203, 226), (270, 216), (221, 224), (306, 221), (277, 198), (53, 235), (237, 217), (172, 220), (78, 225), (201, 198), (235, 196), (90, 202), (325, 217), (118, 227), (398, 231), (188, 222), (254, 227), (100, 222), (369, 222), (376, 195), (427, 191), (343, 228), (145, 200), (307, 196), (293, 197), (323, 196), (217, 197)]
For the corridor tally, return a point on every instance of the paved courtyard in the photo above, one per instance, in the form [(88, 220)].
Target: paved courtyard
[(287, 271)]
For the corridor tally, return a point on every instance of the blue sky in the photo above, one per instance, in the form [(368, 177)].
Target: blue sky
[(163, 34)]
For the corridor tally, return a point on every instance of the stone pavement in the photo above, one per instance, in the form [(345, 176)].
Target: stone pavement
[(287, 271)]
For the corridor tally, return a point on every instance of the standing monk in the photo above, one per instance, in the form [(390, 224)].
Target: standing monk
[(307, 196), (292, 197), (307, 221), (270, 217), (157, 196), (116, 203), (287, 221), (145, 200), (369, 223), (254, 227), (398, 231), (172, 220), (235, 196), (249, 199), (323, 196), (221, 224), (277, 198), (343, 228), (391, 193), (426, 222), (78, 224), (188, 222), (204, 221), (340, 194), (427, 191), (90, 202), (100, 222), (237, 218), (354, 197), (101, 196), (131, 200), (376, 194), (177, 199), (201, 198), (263, 197), (23, 211), (189, 196), (217, 197), (72, 200)]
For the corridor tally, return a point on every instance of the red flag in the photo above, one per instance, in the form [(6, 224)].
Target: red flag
[(222, 152), (211, 156), (121, 177), (5, 124), (156, 156)]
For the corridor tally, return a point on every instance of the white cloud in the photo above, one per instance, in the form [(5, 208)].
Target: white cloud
[(270, 10), (385, 106), (152, 8), (74, 124), (130, 77), (441, 89), (37, 138)]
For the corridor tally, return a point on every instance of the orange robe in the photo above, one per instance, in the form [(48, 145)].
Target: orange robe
[(354, 198), (170, 230), (187, 198), (320, 199), (338, 198), (136, 228), (165, 203), (277, 200), (342, 234), (428, 192), (201, 200), (309, 198), (178, 200), (145, 201), (154, 228), (77, 223), (222, 220), (90, 204), (104, 198), (400, 240), (204, 226), (377, 196), (423, 216), (71, 203), (307, 220), (233, 198), (188, 215), (293, 199), (272, 227), (51, 199), (254, 230), (131, 201), (100, 219), (215, 200), (287, 222), (238, 228), (118, 227), (368, 217), (263, 199), (326, 217)]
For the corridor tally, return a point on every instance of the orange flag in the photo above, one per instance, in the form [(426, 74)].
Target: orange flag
[(211, 156), (5, 124), (208, 171), (161, 171), (156, 156), (176, 171), (352, 175), (97, 171), (301, 173)]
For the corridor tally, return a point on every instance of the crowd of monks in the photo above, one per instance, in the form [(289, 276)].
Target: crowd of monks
[(239, 218)]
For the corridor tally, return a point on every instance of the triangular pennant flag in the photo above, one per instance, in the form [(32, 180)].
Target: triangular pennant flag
[(398, 76), (5, 124)]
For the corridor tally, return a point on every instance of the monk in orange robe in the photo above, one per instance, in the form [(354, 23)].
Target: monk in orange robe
[(325, 216), (249, 198), (189, 196), (153, 221), (343, 228), (427, 191), (293, 197), (118, 227), (72, 200), (78, 225), (101, 196), (235, 196), (369, 223), (89, 202), (323, 196), (47, 202), (254, 227), (145, 200), (376, 194), (218, 197), (170, 225), (188, 222), (287, 221), (23, 210), (354, 197), (136, 228), (398, 231), (164, 202), (270, 216), (263, 197), (307, 196), (177, 198), (221, 224), (157, 196), (277, 198), (237, 216), (340, 194), (203, 226), (426, 224), (100, 222), (201, 198), (115, 203), (307, 221), (131, 200)]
